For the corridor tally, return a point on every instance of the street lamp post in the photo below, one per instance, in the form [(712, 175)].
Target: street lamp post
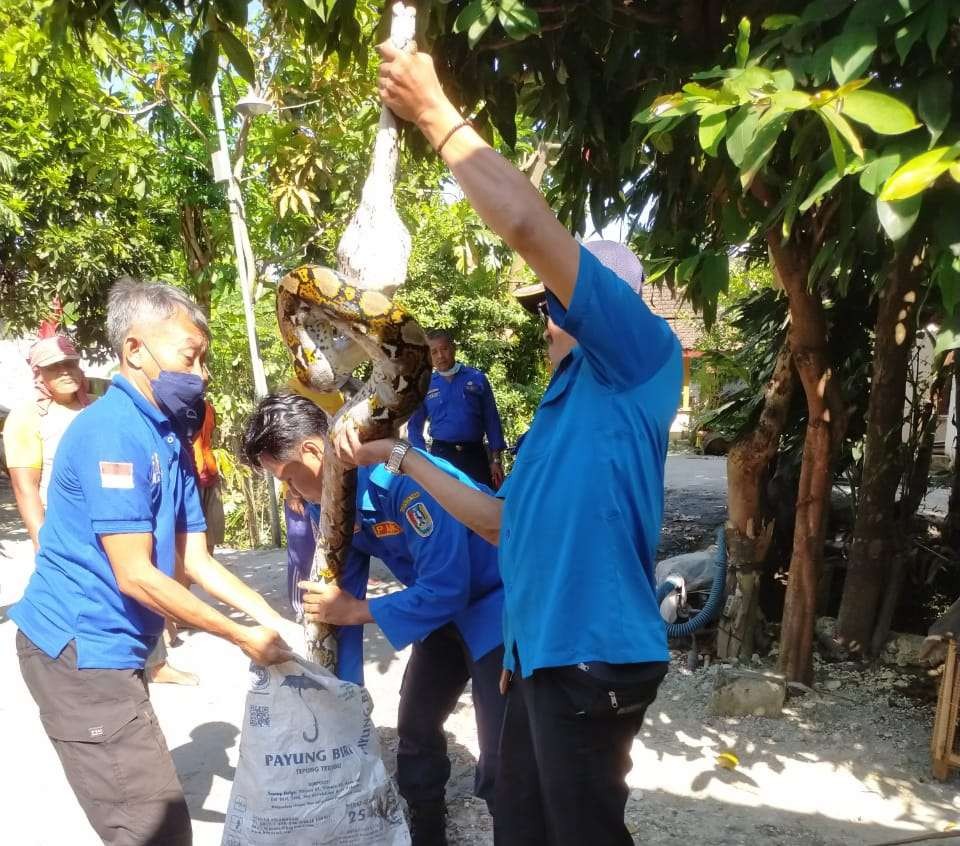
[(246, 272)]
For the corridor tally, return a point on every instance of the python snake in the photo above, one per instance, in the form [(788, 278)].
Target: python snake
[(331, 325)]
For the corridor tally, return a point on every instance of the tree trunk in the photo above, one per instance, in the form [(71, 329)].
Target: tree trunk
[(749, 522), (826, 423), (876, 539), (951, 526), (198, 249), (917, 473)]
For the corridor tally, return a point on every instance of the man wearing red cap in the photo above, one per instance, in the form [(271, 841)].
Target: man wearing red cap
[(34, 429)]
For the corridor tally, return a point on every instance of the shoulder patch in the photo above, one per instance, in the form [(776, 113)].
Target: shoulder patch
[(433, 393), (387, 529), (116, 474), (419, 517), (408, 499)]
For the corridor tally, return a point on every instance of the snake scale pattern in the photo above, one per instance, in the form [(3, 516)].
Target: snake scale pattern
[(331, 325)]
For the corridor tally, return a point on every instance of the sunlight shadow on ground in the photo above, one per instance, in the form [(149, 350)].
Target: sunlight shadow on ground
[(202, 758)]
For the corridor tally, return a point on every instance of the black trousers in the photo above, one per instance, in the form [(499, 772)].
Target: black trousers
[(469, 456), (436, 675), (564, 757)]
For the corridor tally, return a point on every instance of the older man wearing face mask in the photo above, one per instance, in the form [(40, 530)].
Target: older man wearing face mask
[(123, 529), (34, 429)]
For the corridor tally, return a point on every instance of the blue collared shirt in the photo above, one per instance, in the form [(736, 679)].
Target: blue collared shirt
[(119, 469), (584, 503), (449, 572), (462, 409)]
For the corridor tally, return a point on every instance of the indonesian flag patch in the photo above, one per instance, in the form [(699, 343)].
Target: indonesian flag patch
[(116, 474), (420, 519)]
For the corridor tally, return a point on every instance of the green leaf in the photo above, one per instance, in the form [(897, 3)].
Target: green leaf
[(518, 20), (234, 11), (784, 80), (746, 84), (827, 182), (937, 24), (851, 52), (203, 60), (756, 155), (775, 22), (713, 275), (919, 173), (884, 114), (823, 10), (948, 338), (879, 171), (840, 124), (790, 101), (687, 267), (742, 128), (947, 275), (140, 189), (742, 49), (237, 54), (710, 133), (824, 184), (933, 104), (908, 35), (475, 20), (897, 218), (736, 227)]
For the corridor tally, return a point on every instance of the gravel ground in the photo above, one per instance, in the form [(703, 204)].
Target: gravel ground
[(847, 763)]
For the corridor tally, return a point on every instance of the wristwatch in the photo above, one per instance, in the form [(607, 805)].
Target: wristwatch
[(400, 449)]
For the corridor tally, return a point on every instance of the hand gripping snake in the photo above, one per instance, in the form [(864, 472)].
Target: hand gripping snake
[(331, 325), (332, 322)]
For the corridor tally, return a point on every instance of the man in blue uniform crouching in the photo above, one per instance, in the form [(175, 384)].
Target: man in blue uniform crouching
[(450, 609)]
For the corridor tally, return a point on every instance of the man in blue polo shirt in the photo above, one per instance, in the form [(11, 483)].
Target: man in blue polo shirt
[(450, 609), (461, 409), (578, 521), (124, 527)]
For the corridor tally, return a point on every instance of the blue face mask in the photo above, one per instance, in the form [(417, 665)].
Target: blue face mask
[(180, 397)]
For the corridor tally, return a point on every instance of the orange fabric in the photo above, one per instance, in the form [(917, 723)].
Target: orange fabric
[(203, 457)]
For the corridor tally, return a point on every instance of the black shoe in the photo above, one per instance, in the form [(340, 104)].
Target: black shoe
[(428, 824)]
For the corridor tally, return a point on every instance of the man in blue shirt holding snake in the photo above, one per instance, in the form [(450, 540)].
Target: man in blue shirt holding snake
[(449, 610), (578, 521)]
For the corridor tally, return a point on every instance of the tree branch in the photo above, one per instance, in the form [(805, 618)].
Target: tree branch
[(159, 89)]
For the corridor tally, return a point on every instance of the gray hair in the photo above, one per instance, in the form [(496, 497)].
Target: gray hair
[(131, 302)]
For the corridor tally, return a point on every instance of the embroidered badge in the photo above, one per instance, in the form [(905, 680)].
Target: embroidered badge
[(387, 529), (116, 474), (433, 393), (409, 499), (155, 474), (420, 519), (473, 388)]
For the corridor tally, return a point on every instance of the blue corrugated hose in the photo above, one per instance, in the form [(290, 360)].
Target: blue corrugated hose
[(712, 608)]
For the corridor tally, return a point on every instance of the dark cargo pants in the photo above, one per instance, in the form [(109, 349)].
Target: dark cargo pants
[(104, 730)]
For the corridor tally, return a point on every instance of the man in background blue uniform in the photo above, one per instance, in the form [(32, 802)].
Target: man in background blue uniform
[(450, 609), (461, 409)]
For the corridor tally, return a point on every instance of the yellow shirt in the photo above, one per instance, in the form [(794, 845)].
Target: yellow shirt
[(330, 402), (30, 439)]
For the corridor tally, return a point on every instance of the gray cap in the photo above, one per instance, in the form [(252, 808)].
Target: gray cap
[(612, 255)]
